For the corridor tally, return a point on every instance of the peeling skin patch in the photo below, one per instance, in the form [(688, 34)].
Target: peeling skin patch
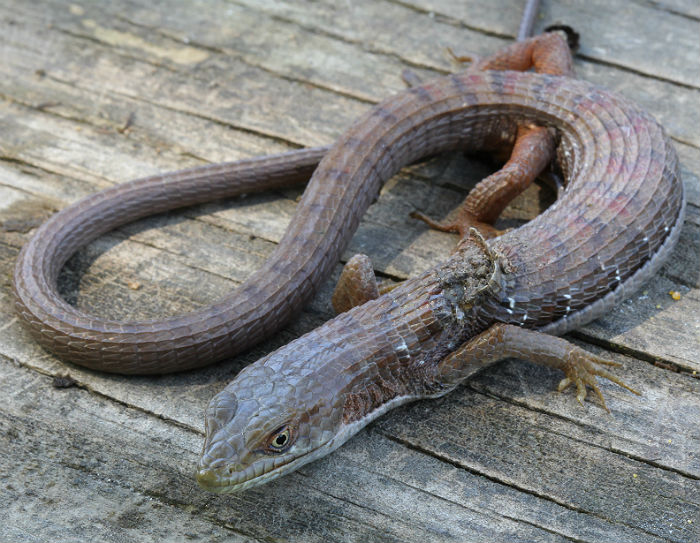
[(181, 55)]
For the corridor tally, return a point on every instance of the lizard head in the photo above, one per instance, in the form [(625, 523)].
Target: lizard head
[(265, 424)]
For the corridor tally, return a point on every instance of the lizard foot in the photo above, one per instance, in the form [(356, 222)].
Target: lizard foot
[(461, 225), (581, 369)]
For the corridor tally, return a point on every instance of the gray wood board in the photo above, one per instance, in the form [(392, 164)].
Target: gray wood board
[(97, 93)]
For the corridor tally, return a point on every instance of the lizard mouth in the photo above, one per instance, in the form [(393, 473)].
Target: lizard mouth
[(227, 478)]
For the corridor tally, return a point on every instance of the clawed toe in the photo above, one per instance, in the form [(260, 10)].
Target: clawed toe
[(473, 59), (582, 369)]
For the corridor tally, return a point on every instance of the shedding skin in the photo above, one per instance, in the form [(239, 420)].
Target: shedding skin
[(358, 285), (611, 229), (532, 152)]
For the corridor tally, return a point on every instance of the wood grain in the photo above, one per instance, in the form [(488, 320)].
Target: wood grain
[(503, 458)]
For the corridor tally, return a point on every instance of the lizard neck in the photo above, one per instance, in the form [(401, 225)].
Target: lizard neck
[(420, 323)]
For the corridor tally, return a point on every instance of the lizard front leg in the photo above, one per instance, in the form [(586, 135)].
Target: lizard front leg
[(357, 284), (505, 341)]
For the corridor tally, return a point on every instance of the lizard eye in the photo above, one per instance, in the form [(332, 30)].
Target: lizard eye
[(280, 440)]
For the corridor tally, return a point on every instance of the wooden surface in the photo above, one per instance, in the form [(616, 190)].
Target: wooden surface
[(92, 94)]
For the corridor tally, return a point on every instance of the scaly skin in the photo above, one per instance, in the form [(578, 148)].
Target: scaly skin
[(327, 216), (613, 226)]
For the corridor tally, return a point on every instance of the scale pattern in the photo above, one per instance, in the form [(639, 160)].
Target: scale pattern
[(612, 227)]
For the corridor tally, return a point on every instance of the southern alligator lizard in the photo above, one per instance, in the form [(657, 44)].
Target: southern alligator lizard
[(611, 228)]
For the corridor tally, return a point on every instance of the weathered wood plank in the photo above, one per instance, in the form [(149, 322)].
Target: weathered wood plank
[(660, 97), (621, 31), (221, 83), (408, 496), (561, 467), (326, 65)]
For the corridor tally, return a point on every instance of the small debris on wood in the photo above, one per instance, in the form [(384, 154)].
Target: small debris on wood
[(47, 105), (64, 381), (128, 124)]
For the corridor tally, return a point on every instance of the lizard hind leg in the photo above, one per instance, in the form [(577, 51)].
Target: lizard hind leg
[(532, 152), (534, 146)]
